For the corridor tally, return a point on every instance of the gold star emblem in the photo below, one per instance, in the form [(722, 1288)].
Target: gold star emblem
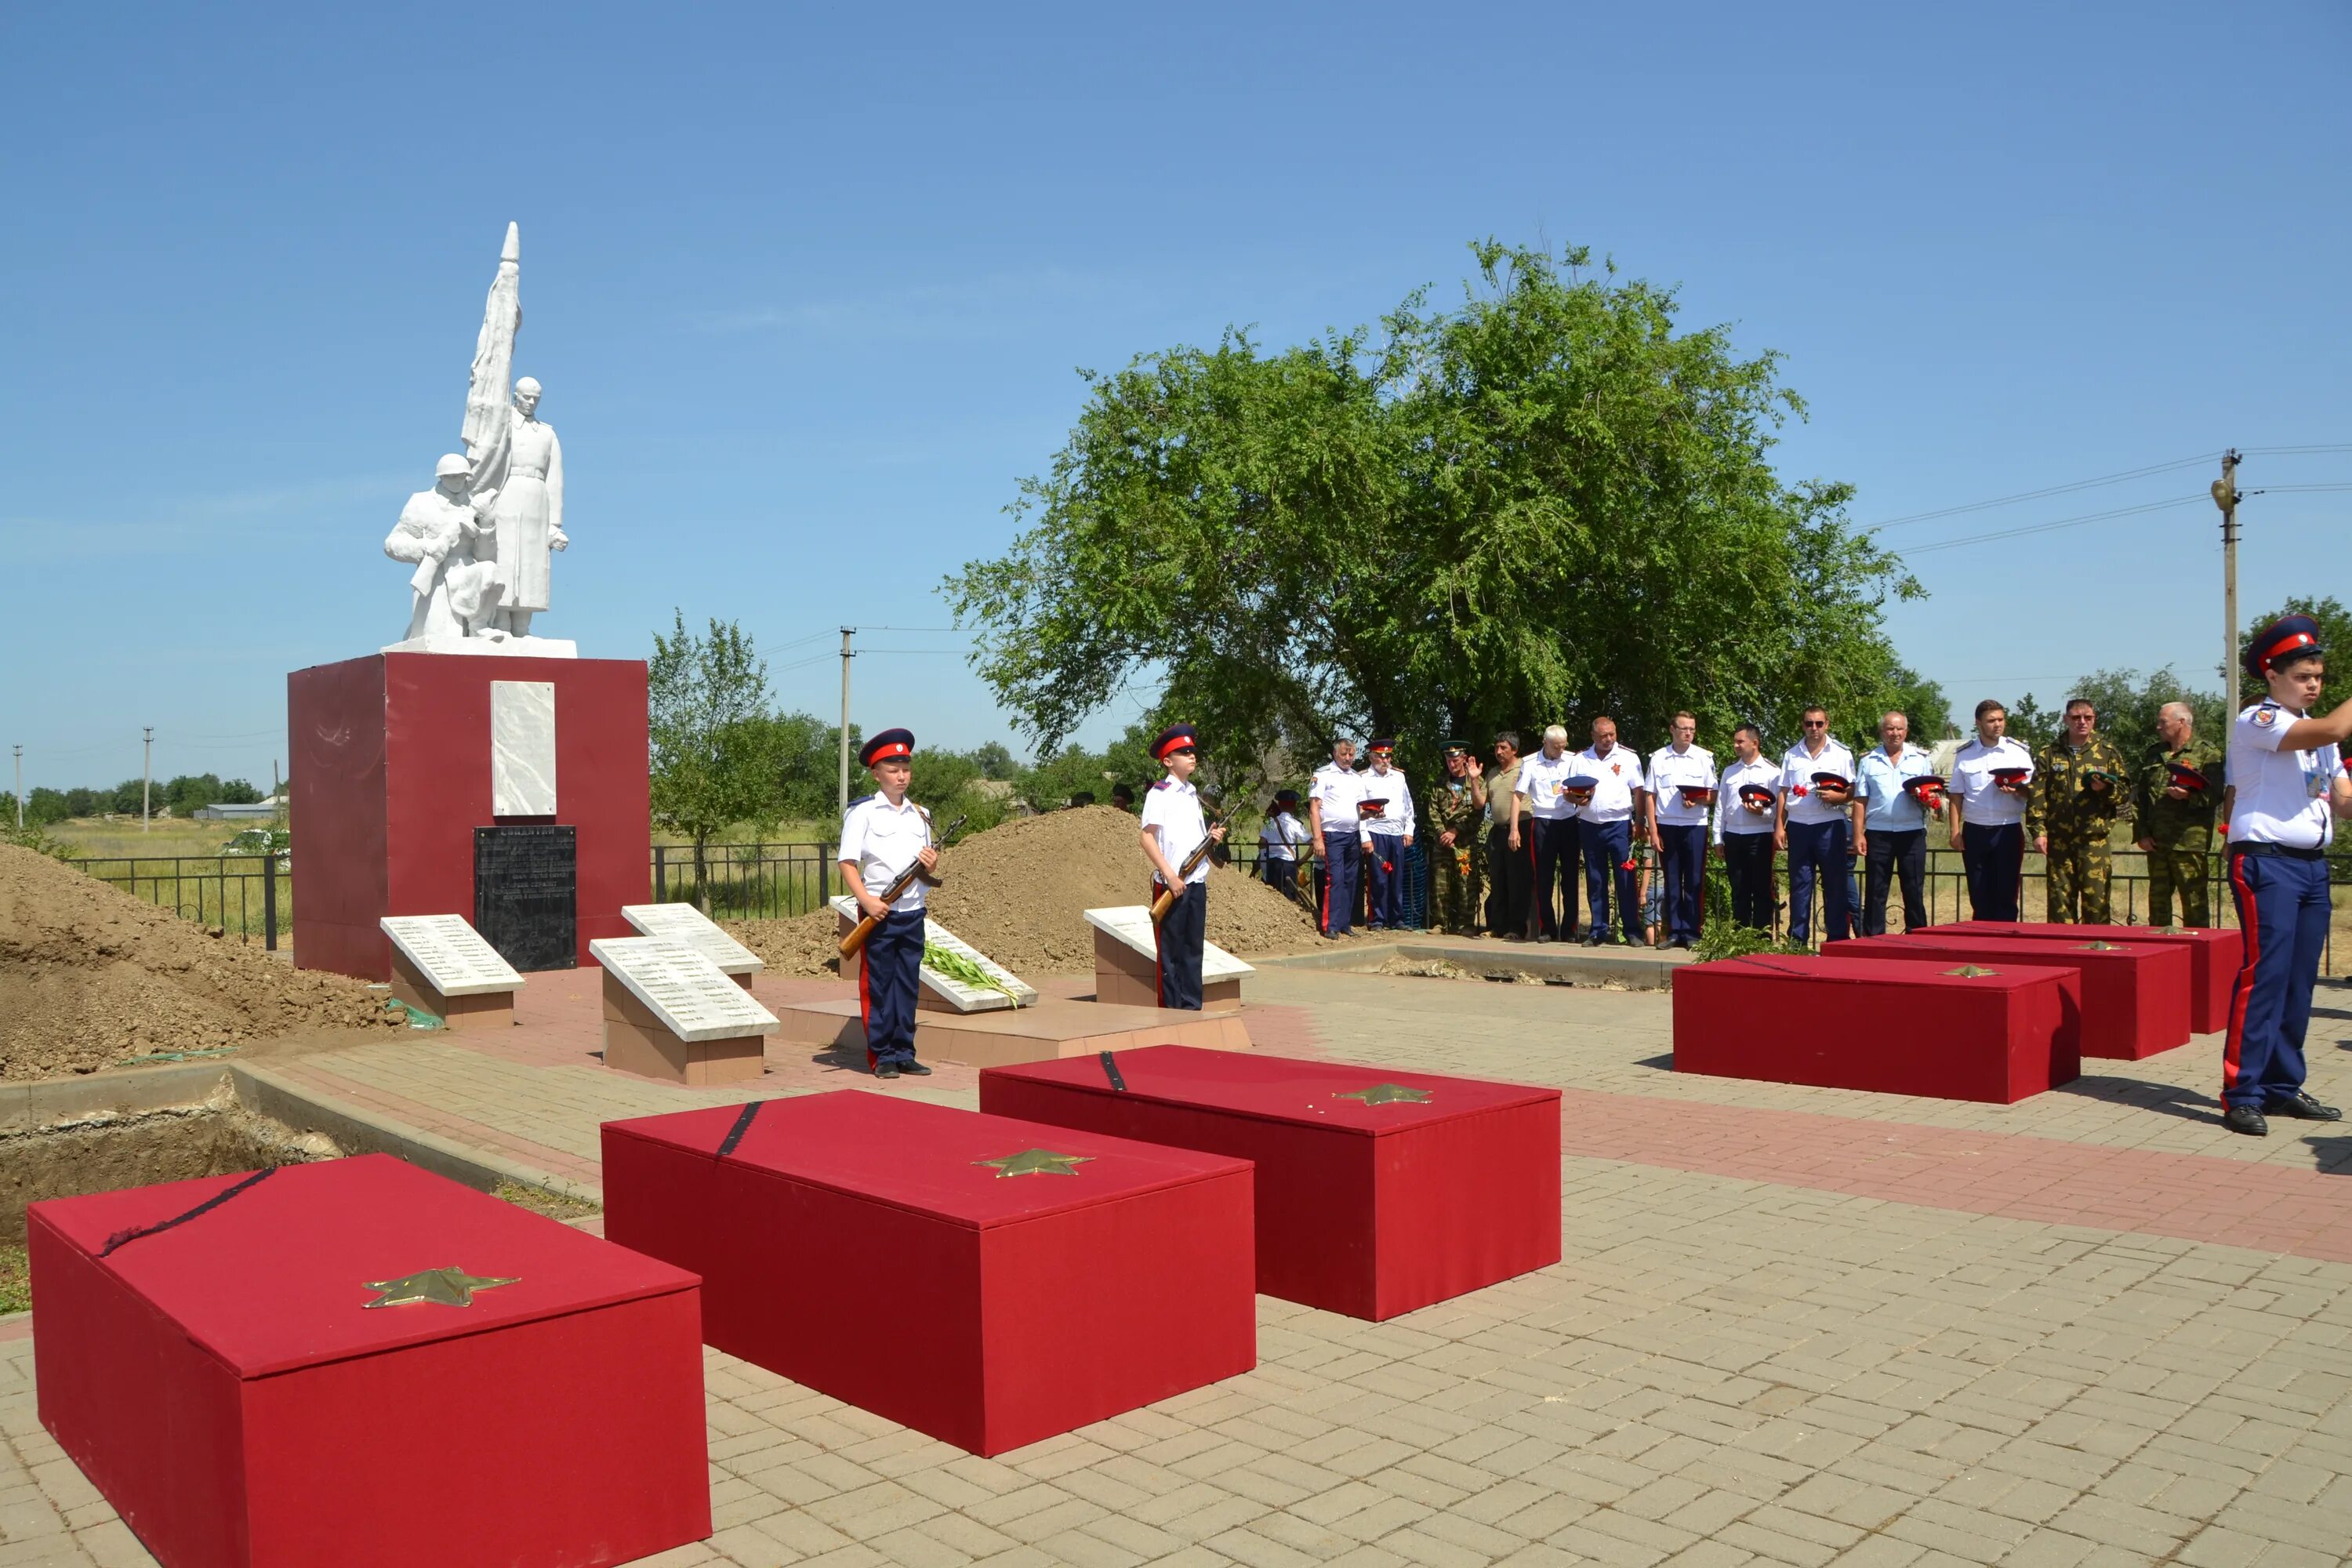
[(1037, 1162), (1970, 971), (2102, 947), (450, 1287), (1387, 1094)]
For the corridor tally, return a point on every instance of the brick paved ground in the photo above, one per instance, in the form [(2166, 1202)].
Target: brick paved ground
[(1792, 1326)]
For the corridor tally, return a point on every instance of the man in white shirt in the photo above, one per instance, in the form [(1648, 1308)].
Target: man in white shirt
[(1985, 804), (1816, 828), (2288, 784), (1746, 809), (1173, 827), (1545, 831), (1604, 833), (883, 836), (1278, 842), (1336, 830), (1682, 788), (1893, 842), (1386, 810)]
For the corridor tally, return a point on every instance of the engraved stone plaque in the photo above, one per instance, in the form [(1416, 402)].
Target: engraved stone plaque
[(1011, 990), (450, 954), (691, 995), (1131, 924), (526, 894), (684, 922)]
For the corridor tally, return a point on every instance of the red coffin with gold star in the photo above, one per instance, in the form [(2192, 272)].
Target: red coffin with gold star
[(2214, 955), (2135, 994), (1377, 1191), (208, 1353), (1938, 1028), (990, 1281)]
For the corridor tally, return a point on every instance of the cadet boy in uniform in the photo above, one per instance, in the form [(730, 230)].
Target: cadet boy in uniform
[(1682, 787), (881, 837), (1332, 798), (2287, 775), (2178, 784), (1173, 828), (1387, 816), (1985, 806), (1455, 808), (1605, 826), (2079, 781), (1817, 817)]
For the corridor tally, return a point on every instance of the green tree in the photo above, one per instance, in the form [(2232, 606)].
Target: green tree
[(82, 801), (45, 805), (2334, 636), (2031, 725), (713, 741), (1545, 504), (1049, 782), (995, 759)]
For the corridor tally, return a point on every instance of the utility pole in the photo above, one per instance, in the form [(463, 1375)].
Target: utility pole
[(846, 655), (20, 787), (2226, 497), (147, 778)]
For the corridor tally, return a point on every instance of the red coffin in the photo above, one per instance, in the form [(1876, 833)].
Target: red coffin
[(223, 1381), (1895, 1027), (1370, 1209), (860, 1245), (2134, 996), (2213, 956)]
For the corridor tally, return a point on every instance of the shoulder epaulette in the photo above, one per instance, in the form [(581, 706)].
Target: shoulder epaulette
[(861, 800), (1162, 785)]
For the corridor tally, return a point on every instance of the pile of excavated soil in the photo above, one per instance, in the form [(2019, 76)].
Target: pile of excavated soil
[(1019, 892), (90, 976)]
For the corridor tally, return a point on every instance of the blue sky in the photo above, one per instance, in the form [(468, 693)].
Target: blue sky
[(807, 287)]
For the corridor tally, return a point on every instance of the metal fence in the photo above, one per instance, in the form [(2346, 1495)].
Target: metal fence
[(750, 881), (249, 897)]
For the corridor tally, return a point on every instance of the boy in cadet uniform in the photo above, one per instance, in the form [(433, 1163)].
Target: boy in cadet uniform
[(1387, 814), (2287, 778), (1173, 828), (1454, 810), (1278, 842), (881, 837)]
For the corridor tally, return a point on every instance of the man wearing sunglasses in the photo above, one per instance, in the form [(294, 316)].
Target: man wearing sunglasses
[(2078, 787)]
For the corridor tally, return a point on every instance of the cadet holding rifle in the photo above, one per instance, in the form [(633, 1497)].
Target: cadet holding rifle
[(1176, 839), (886, 841)]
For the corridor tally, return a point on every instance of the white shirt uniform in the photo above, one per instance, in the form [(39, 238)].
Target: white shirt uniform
[(1540, 780), (1798, 767), (882, 840), (1395, 820), (1981, 800), (1174, 809), (1731, 816), (1619, 774), (1337, 790), (1669, 771), (2282, 795), (1280, 838)]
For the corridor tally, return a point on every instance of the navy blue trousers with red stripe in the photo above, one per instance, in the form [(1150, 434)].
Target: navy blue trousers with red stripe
[(1342, 858), (1178, 939), (891, 969), (2282, 909)]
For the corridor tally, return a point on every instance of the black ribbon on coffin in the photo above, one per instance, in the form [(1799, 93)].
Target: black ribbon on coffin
[(743, 1119), (1110, 1071), (121, 1239)]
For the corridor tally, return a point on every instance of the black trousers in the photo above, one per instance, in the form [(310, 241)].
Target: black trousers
[(1747, 858), (1509, 874), (1179, 937), (1994, 858), (1892, 856), (1550, 845)]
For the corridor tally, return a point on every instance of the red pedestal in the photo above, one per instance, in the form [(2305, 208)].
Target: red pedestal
[(856, 1243), (223, 1384), (1895, 1027), (2214, 955), (392, 774), (1366, 1209), (2134, 996)]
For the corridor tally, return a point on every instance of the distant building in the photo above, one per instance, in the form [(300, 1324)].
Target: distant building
[(259, 811)]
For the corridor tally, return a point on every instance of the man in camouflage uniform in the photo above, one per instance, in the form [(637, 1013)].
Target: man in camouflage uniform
[(2079, 784), (1455, 808), (2176, 818)]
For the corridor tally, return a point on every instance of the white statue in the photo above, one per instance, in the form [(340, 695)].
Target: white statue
[(525, 472), (452, 594)]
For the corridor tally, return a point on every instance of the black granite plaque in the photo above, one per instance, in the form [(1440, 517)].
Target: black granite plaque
[(526, 894)]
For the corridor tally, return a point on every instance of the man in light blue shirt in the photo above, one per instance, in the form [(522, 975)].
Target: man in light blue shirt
[(1893, 839)]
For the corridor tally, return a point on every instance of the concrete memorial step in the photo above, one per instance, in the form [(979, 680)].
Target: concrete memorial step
[(988, 1281), (2134, 996), (684, 922), (1378, 1191), (2214, 955), (1127, 961), (941, 991), (1939, 1028), (670, 1013), (441, 966)]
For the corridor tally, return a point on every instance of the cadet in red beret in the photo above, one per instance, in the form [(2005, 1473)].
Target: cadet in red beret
[(1173, 826), (881, 837)]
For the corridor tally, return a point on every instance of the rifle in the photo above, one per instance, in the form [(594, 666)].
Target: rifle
[(1167, 899), (855, 940)]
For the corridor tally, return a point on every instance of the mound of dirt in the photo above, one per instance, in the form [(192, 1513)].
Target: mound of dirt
[(1019, 892), (90, 976)]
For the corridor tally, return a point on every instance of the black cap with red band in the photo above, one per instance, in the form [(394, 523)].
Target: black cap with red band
[(889, 743), (2289, 636), (1175, 738)]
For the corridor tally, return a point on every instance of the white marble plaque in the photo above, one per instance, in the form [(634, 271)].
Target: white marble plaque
[(684, 922), (691, 995), (450, 954), (522, 748), (1131, 923), (957, 994)]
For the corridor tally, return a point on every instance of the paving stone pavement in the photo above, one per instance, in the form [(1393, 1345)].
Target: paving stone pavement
[(1792, 1326)]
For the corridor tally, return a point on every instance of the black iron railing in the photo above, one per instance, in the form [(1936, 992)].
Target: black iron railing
[(249, 897)]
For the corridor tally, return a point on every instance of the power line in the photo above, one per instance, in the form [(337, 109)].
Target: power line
[(2282, 451), (1911, 518), (2060, 522)]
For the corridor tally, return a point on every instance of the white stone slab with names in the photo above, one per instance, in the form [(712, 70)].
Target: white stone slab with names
[(1011, 990), (692, 996), (1131, 924), (684, 922), (450, 954)]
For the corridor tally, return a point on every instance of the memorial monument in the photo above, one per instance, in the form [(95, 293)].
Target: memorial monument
[(430, 780)]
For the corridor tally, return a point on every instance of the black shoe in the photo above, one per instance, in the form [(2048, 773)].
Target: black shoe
[(1594, 940), (2245, 1119), (888, 1070), (2301, 1106), (914, 1069)]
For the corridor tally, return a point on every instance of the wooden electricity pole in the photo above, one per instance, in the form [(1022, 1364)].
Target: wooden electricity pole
[(2226, 497), (846, 655)]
